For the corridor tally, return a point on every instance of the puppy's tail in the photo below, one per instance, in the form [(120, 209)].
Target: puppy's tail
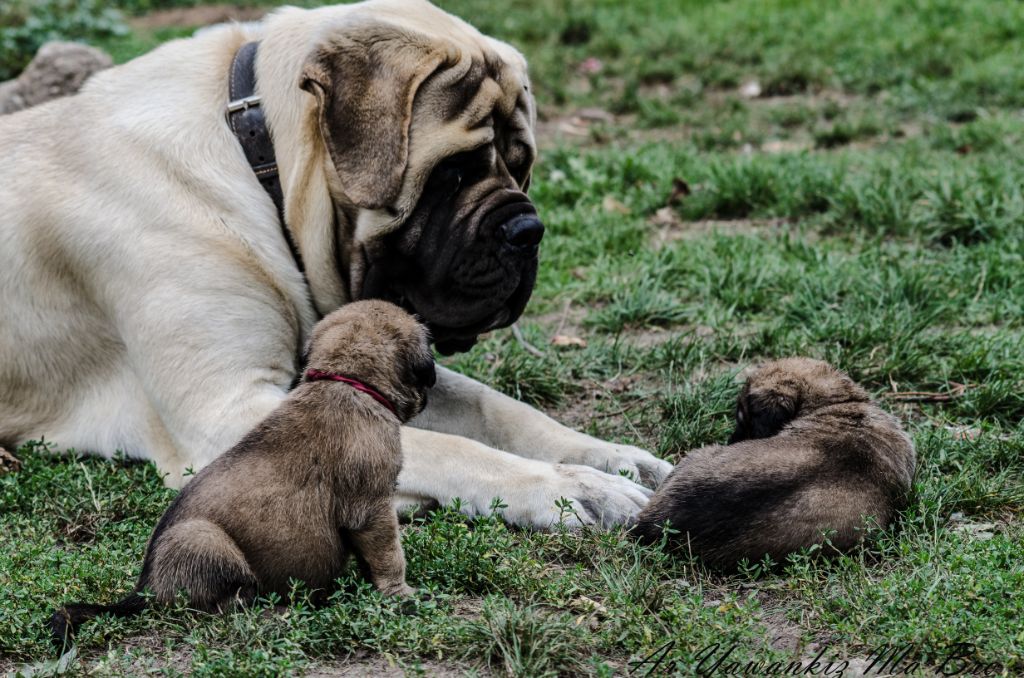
[(65, 621)]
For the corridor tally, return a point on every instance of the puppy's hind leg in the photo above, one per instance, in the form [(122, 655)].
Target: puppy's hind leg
[(378, 545), (200, 558)]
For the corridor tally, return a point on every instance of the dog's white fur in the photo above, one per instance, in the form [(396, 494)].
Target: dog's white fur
[(149, 304)]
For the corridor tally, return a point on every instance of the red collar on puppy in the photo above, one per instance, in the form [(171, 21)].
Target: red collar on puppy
[(317, 375)]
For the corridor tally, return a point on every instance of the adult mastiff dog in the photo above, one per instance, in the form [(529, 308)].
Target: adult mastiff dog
[(149, 299)]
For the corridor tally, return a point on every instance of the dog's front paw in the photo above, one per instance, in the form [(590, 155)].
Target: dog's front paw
[(638, 464), (576, 495)]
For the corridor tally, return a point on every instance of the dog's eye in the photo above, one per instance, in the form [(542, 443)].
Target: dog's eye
[(447, 176), (467, 164), (451, 181), (445, 180)]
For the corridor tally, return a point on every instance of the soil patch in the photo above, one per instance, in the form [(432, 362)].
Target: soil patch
[(378, 666), (671, 228)]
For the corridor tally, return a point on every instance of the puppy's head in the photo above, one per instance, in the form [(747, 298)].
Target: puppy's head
[(380, 345), (780, 391)]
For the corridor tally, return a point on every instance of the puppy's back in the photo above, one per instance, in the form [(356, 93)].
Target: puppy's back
[(727, 507), (324, 435), (829, 473)]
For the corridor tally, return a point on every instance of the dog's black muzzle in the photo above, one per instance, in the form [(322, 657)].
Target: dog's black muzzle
[(467, 276)]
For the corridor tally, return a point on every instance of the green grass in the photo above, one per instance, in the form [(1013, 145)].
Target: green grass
[(866, 208)]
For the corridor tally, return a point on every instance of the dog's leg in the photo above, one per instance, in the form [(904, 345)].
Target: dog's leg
[(443, 467), (200, 558), (379, 546), (462, 406), (217, 427)]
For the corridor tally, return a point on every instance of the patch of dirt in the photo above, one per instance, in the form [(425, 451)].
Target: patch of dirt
[(834, 96), (566, 321), (573, 128), (564, 326), (648, 337), (672, 228), (149, 654), (149, 651), (468, 608), (594, 127), (135, 656), (376, 665), (786, 145), (577, 411), (981, 531), (202, 15), (8, 667), (609, 405), (784, 634)]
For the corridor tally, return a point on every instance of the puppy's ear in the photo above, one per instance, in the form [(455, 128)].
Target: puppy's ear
[(762, 413), (364, 80), (424, 373)]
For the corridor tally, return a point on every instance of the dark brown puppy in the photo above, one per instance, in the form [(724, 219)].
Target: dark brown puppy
[(307, 487), (811, 457)]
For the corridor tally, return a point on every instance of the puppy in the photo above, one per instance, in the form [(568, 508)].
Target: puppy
[(308, 486), (812, 457)]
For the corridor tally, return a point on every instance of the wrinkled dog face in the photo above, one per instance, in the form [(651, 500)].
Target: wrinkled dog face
[(466, 259), (430, 131)]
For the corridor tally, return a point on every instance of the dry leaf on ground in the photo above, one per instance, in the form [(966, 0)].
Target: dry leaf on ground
[(613, 204), (568, 341)]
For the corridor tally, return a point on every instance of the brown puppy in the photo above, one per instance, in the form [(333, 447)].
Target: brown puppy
[(308, 486), (811, 457)]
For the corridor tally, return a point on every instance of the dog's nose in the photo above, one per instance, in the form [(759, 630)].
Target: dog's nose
[(523, 231)]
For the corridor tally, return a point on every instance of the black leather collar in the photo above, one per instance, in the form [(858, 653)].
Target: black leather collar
[(245, 116)]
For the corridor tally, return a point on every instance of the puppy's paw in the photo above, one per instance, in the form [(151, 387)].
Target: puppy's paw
[(576, 495), (400, 590), (638, 464)]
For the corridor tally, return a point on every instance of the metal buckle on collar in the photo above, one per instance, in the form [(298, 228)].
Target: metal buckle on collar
[(243, 104)]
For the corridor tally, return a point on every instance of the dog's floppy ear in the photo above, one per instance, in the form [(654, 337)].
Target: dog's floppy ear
[(762, 413), (365, 79)]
